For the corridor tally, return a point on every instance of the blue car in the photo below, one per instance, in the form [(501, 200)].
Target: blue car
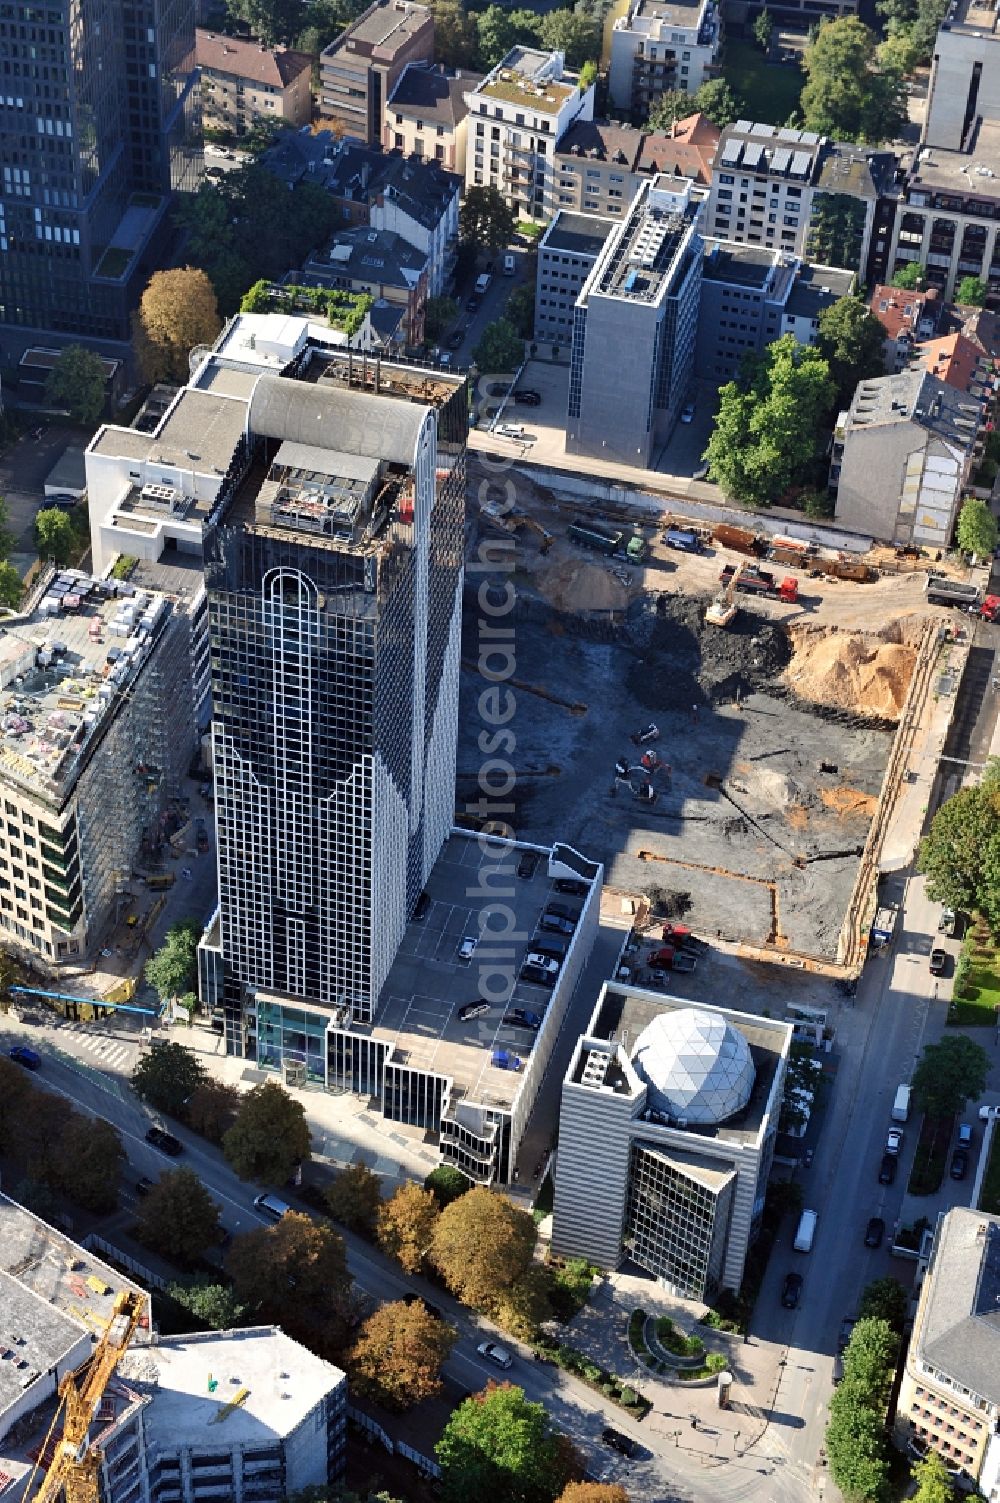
[(22, 1055)]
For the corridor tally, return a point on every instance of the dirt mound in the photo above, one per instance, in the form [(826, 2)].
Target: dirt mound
[(865, 672), (687, 662), (577, 585), (849, 802)]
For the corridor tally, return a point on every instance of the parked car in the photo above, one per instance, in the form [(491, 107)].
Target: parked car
[(528, 864), (536, 971), (554, 923), (687, 413), (521, 1017), (22, 1055), (494, 1352), (946, 923), (467, 948), (143, 1186), (623, 1444), (874, 1231), (472, 304), (571, 887), (421, 906), (454, 340), (473, 1010), (937, 961), (887, 1169), (528, 398), (959, 1164), (791, 1289), (965, 1135), (894, 1140), (165, 1142)]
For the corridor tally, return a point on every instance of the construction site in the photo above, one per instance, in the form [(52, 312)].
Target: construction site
[(730, 772)]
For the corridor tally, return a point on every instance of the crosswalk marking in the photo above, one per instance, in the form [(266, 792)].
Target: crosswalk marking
[(110, 1051)]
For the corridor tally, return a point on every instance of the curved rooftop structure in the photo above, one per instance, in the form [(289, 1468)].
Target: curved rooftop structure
[(697, 1066), (331, 418)]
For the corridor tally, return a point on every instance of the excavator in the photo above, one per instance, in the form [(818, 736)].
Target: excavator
[(73, 1475), (723, 608)]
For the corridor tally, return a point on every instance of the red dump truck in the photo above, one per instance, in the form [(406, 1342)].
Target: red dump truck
[(755, 581), (990, 608)]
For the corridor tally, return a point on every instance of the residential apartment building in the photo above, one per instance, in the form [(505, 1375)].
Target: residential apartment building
[(360, 69), (84, 194), (243, 82), (667, 1127), (409, 195), (517, 114), (634, 329), (949, 1396), (659, 45), (427, 115), (600, 165), (380, 264), (960, 364), (796, 191), (907, 317), (751, 296), (566, 255), (942, 210), (965, 75), (901, 457)]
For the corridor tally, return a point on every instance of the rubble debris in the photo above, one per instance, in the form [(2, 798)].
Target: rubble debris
[(687, 662)]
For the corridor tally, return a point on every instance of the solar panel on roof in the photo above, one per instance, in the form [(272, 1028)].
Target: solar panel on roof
[(745, 127), (800, 164), (808, 137), (731, 153), (752, 155), (781, 159), (786, 133)]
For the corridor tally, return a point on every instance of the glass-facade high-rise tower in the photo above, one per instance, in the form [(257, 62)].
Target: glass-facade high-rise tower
[(334, 580), (98, 124)]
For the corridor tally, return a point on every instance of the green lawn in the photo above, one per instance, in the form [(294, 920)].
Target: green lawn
[(989, 1195), (770, 91), (976, 1007)]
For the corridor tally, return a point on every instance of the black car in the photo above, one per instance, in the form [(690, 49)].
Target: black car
[(421, 906), (623, 1444), (554, 923), (874, 1232), (937, 962), (165, 1142), (572, 887), (472, 305), (790, 1290), (528, 398), (454, 340), (536, 976), (959, 1164), (528, 864), (887, 1169), (143, 1186)]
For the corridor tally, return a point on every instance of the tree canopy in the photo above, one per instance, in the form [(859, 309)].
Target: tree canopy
[(933, 1480), (76, 382), (572, 32), (446, 1183), (211, 1108), (166, 1075), (11, 585), (851, 341), (886, 1300), (856, 1441), (911, 277), (498, 1445), (294, 1274), (977, 528), (485, 219), (177, 312), (972, 291), (769, 428), (214, 1305), (482, 1244), (960, 854), (270, 1136), (406, 1225), (179, 1218), (277, 23), (950, 1073), (397, 1358), (500, 347), (355, 1197), (173, 969), (847, 95), (54, 535), (717, 100)]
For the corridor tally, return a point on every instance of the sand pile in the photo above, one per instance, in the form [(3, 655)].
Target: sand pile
[(849, 801), (866, 672), (576, 585)]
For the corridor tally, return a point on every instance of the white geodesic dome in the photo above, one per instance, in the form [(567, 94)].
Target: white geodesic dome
[(697, 1067)]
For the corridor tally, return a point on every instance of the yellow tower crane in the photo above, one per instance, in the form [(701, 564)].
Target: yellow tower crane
[(73, 1472)]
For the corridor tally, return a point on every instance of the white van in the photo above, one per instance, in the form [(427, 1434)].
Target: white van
[(806, 1232), (482, 283), (901, 1105), (509, 265), (271, 1206)]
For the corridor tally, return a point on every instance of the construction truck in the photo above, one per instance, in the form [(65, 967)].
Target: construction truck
[(752, 580), (683, 540), (990, 608), (739, 539), (591, 535), (849, 568), (637, 548), (942, 591), (790, 551), (670, 959), (724, 608)]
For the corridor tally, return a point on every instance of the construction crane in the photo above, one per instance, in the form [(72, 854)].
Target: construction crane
[(723, 608), (73, 1471)]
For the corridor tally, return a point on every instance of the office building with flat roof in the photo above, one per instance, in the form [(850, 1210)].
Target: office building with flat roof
[(949, 1396), (111, 97), (359, 69), (667, 1126), (662, 45), (965, 75), (566, 255), (517, 115), (634, 329)]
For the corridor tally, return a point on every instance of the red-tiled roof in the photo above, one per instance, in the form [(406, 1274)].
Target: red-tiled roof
[(954, 360), (249, 60), (896, 310)]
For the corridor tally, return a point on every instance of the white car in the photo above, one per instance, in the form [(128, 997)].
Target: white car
[(467, 948), (542, 963), (894, 1140), (493, 1352)]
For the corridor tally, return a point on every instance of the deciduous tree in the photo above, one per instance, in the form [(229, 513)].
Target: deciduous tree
[(977, 528), (498, 1445), (886, 1300), (446, 1183), (482, 1245), (932, 1479), (763, 30), (172, 970), (971, 291), (851, 342), (275, 22), (845, 95), (500, 348), (178, 1218), (76, 383), (54, 537), (211, 1108), (178, 311), (214, 1305), (456, 39), (295, 1274), (406, 1225), (397, 1358), (520, 311), (485, 219), (911, 277), (949, 1073), (11, 585), (960, 854), (270, 1136), (166, 1076), (15, 1091), (671, 106), (575, 34), (593, 1492), (440, 314), (355, 1198), (717, 100), (90, 1159), (499, 30)]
